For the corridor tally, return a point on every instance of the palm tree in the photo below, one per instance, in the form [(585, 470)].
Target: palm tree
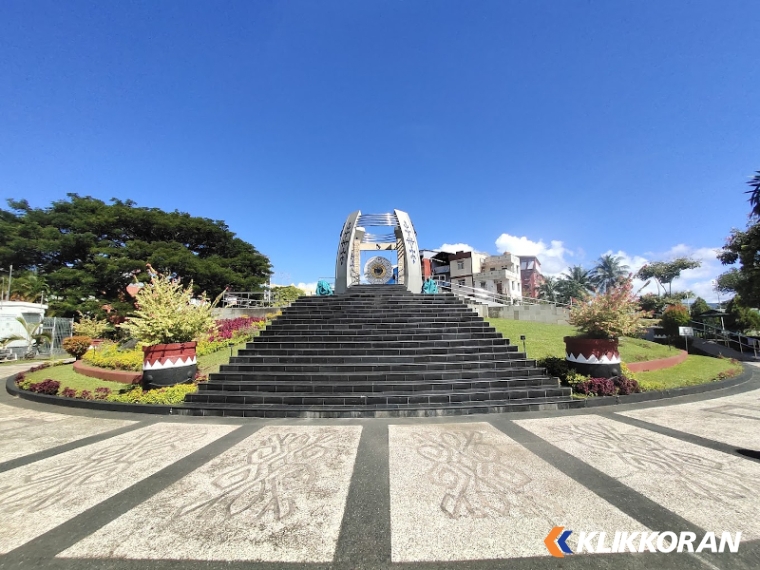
[(754, 198), (549, 289), (30, 287), (34, 337), (608, 272), (576, 284)]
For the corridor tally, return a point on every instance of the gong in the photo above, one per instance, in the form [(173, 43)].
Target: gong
[(378, 270)]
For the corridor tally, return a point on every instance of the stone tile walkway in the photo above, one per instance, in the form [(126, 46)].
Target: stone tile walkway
[(101, 490)]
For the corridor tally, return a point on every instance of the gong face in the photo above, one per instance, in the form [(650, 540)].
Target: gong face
[(378, 270)]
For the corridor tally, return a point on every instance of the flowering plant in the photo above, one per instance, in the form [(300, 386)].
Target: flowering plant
[(614, 313), (167, 313), (227, 329)]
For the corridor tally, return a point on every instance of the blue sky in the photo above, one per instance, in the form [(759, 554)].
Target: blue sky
[(563, 128)]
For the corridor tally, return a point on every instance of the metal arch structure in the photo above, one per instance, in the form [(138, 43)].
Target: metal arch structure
[(354, 238)]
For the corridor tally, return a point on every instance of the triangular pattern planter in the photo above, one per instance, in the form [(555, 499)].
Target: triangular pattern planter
[(596, 357), (169, 364)]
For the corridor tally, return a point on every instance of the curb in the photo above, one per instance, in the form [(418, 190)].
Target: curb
[(745, 376), (158, 409), (658, 364), (122, 376), (13, 390)]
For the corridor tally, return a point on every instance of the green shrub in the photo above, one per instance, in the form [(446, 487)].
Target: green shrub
[(108, 355), (76, 346), (556, 366), (159, 396), (673, 317)]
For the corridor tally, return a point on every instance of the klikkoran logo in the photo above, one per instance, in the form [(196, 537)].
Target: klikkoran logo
[(596, 542)]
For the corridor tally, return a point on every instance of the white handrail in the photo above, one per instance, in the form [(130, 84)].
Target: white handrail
[(483, 295)]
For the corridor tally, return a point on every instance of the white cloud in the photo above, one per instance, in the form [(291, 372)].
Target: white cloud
[(699, 281), (552, 258), (310, 288), (455, 247)]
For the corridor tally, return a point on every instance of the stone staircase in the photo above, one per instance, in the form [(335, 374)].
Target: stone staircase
[(377, 351)]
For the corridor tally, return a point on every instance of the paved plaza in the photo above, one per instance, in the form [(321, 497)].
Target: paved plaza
[(84, 489)]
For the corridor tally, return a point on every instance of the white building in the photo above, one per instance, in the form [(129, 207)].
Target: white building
[(463, 265), (500, 274), (10, 311)]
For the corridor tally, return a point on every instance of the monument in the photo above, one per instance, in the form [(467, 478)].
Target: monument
[(354, 238)]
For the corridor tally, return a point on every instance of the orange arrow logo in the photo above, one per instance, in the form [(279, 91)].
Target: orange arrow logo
[(551, 541)]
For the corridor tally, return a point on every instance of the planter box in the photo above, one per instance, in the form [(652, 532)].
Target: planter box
[(169, 364), (596, 357)]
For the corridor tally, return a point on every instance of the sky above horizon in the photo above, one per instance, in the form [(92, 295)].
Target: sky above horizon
[(562, 129)]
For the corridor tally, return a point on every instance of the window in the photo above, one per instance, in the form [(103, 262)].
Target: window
[(460, 265), (462, 282), (482, 284)]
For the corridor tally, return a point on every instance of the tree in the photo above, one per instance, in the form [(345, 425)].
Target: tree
[(698, 307), (664, 272), (754, 198), (744, 247), (576, 284), (608, 272), (33, 335), (741, 318), (549, 289), (656, 304), (285, 295), (87, 251), (673, 317), (30, 287)]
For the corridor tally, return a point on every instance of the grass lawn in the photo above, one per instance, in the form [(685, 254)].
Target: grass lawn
[(543, 339), (694, 370), (69, 379), (211, 362)]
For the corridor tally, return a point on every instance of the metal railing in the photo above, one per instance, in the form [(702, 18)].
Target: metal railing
[(484, 296), (246, 299), (736, 341)]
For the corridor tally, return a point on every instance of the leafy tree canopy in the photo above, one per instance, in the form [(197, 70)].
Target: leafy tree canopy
[(575, 285), (744, 247), (285, 295), (698, 307), (608, 272), (664, 272), (86, 251)]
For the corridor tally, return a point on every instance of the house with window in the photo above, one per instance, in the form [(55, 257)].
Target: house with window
[(530, 273), (463, 265), (500, 274)]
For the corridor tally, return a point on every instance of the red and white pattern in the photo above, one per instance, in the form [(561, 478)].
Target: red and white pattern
[(162, 356)]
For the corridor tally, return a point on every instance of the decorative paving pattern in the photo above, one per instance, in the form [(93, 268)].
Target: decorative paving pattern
[(42, 495), (481, 495), (456, 492), (734, 420), (40, 431), (714, 490), (277, 496)]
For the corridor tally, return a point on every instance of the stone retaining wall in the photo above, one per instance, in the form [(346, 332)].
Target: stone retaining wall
[(550, 314)]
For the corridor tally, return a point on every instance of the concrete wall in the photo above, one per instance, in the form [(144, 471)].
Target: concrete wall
[(232, 313), (538, 313)]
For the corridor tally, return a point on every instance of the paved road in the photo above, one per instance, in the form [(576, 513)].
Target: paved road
[(98, 490)]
